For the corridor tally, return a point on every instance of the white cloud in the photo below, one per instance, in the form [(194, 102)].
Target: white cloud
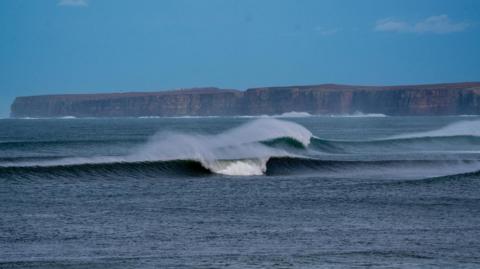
[(73, 3), (391, 25), (441, 24)]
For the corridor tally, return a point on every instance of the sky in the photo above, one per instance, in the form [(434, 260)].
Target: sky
[(88, 46)]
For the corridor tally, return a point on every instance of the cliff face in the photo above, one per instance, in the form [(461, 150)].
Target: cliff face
[(201, 101), (438, 99)]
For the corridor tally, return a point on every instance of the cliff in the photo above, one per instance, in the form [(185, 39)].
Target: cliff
[(434, 99), (198, 101)]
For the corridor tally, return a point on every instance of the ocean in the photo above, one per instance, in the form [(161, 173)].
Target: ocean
[(297, 191)]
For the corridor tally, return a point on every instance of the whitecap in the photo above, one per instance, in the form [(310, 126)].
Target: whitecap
[(238, 151), (461, 128)]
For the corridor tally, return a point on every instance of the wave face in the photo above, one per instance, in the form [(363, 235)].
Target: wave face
[(265, 146), (462, 128), (248, 192), (239, 151)]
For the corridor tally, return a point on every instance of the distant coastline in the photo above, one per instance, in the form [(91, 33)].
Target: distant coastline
[(290, 101)]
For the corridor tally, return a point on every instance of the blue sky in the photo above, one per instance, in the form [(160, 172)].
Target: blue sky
[(76, 46)]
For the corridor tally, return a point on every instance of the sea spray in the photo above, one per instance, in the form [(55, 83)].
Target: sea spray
[(255, 148), (238, 151), (241, 145)]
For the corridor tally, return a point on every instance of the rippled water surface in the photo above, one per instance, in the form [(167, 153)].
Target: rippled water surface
[(303, 192)]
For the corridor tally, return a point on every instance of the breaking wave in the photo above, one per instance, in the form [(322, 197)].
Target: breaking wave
[(462, 128), (359, 114), (294, 114), (240, 151), (269, 146), (458, 137), (459, 144), (274, 166)]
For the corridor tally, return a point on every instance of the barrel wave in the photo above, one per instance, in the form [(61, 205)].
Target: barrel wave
[(265, 146), (240, 151)]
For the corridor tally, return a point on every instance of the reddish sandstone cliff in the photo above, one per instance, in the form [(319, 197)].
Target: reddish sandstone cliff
[(437, 99)]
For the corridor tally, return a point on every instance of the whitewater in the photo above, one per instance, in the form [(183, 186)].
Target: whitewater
[(248, 149), (293, 190)]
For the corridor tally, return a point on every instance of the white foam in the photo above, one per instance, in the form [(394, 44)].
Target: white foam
[(176, 117), (359, 114), (27, 118), (461, 128), (291, 114), (294, 114), (238, 151), (46, 118), (239, 167), (252, 116), (150, 117), (241, 145)]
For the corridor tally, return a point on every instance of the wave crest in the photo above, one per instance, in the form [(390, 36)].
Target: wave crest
[(461, 128), (392, 170), (238, 151)]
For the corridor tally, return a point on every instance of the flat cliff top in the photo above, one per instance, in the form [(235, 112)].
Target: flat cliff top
[(92, 96), (427, 99), (343, 87), (214, 90)]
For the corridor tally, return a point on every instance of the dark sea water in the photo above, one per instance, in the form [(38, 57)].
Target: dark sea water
[(307, 192)]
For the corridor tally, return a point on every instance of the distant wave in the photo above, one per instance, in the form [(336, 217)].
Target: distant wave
[(47, 118), (462, 128), (451, 144), (28, 118), (150, 117), (463, 136), (294, 114), (358, 114), (291, 114), (176, 117)]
